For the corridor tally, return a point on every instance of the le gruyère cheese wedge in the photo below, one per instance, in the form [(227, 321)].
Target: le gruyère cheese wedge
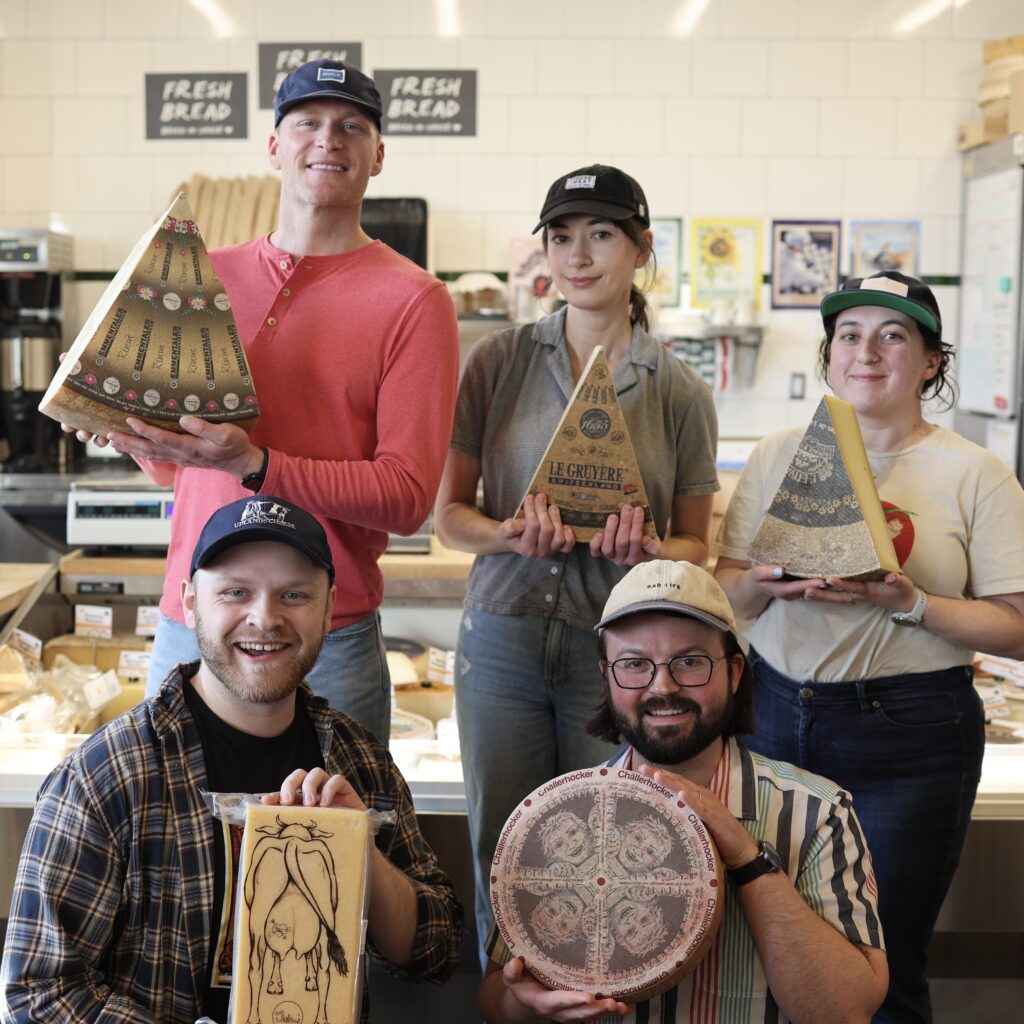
[(589, 469), (826, 518), (299, 935)]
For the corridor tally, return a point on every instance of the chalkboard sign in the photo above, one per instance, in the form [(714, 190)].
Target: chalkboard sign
[(278, 59), (190, 105), (428, 102)]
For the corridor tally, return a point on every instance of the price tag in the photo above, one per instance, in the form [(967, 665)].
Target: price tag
[(94, 620), (146, 619), (27, 645), (102, 689), (134, 665), (441, 666)]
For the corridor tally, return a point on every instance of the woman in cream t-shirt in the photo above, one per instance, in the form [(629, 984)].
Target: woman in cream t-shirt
[(869, 684)]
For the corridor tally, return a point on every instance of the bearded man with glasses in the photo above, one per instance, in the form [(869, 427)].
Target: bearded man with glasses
[(800, 938)]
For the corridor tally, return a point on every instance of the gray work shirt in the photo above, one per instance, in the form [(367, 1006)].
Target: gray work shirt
[(515, 386)]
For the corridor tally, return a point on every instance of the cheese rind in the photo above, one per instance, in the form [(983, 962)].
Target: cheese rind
[(826, 518), (589, 469), (300, 914)]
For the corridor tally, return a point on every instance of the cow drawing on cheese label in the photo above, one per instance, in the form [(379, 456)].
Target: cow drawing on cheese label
[(299, 939)]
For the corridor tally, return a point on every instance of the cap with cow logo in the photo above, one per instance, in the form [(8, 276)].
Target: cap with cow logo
[(327, 79), (262, 518), (665, 586), (598, 189)]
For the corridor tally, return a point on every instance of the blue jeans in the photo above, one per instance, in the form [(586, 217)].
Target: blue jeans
[(351, 672), (909, 750), (525, 688)]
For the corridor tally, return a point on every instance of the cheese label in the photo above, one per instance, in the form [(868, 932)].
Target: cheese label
[(147, 617), (161, 342), (94, 620), (299, 938), (826, 518), (589, 469)]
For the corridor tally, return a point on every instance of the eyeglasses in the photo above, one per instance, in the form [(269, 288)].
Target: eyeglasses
[(686, 670)]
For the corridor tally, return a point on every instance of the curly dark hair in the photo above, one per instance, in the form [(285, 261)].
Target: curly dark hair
[(602, 725), (941, 386)]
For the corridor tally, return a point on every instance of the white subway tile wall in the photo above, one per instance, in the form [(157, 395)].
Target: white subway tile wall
[(767, 108)]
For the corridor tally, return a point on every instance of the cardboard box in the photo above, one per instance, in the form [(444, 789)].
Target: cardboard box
[(1015, 116), (105, 654), (997, 49), (980, 131)]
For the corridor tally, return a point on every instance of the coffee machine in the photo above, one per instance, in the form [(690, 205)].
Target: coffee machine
[(35, 266)]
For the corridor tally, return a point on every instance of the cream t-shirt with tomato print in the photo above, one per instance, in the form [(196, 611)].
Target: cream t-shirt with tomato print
[(957, 513)]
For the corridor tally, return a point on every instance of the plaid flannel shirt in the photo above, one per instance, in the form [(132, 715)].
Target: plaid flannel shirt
[(110, 918)]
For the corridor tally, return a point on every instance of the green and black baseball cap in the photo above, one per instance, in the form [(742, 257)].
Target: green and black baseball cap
[(891, 289)]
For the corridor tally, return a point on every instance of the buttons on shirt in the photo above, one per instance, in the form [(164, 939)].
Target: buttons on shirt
[(554, 570), (285, 264), (272, 321), (806, 693), (286, 291), (548, 598)]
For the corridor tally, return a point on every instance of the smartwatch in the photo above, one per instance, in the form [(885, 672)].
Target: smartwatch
[(766, 862), (254, 481), (915, 615)]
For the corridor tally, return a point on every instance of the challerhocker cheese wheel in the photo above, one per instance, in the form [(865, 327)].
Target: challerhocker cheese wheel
[(160, 344), (605, 881)]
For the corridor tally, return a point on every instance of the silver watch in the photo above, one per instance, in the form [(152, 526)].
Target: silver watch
[(915, 615)]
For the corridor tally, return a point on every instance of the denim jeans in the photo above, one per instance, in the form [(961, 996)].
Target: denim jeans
[(525, 688), (909, 750), (351, 672)]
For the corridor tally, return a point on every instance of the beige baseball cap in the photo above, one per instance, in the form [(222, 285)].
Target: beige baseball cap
[(665, 586)]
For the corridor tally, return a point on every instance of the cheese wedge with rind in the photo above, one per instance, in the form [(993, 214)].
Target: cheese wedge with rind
[(826, 518), (590, 469), (161, 342), (300, 915)]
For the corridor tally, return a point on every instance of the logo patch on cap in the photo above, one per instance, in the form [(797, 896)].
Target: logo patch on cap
[(268, 513), (581, 181), (885, 284), (330, 74)]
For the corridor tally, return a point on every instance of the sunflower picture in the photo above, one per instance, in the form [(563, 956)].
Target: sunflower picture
[(725, 260)]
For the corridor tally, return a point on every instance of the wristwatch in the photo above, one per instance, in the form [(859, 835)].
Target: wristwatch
[(766, 862), (915, 615), (254, 481)]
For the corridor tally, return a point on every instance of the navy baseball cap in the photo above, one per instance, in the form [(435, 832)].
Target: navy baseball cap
[(327, 79), (262, 518), (598, 189), (891, 289)]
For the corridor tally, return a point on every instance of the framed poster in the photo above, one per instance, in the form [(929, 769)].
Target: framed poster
[(805, 262), (668, 260), (877, 245), (725, 261)]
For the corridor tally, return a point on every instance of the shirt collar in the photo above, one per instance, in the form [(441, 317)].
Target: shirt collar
[(550, 331)]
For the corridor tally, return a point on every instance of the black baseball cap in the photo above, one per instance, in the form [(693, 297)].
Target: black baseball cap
[(330, 79), (605, 191), (891, 289), (262, 518)]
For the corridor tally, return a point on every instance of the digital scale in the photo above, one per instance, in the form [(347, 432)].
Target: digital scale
[(116, 513)]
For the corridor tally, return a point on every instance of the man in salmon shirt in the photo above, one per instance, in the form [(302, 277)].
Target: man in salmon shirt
[(354, 352)]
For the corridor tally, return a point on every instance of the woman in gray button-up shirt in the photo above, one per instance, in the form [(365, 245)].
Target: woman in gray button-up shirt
[(527, 677)]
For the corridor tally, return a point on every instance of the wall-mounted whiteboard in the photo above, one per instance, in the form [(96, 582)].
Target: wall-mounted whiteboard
[(990, 285)]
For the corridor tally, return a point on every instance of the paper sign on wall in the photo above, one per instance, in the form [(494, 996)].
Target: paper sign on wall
[(189, 105), (277, 60), (427, 102)]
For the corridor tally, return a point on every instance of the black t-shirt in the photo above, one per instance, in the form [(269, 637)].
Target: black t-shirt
[(239, 763)]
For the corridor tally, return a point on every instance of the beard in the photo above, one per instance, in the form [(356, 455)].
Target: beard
[(259, 683), (673, 745)]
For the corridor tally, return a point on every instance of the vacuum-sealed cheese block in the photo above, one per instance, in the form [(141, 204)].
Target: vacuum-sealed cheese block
[(589, 469), (827, 519), (161, 343), (605, 881), (300, 915)]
